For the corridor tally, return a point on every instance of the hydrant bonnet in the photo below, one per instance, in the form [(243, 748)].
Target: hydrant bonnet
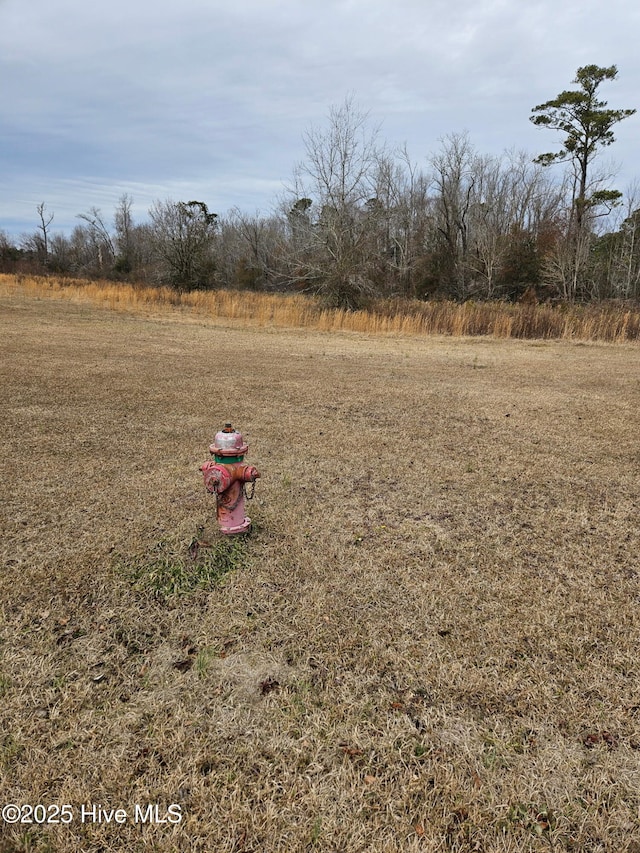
[(229, 443)]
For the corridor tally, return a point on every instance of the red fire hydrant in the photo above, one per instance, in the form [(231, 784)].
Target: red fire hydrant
[(226, 477)]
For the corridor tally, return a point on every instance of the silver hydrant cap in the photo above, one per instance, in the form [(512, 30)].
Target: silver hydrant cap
[(229, 442)]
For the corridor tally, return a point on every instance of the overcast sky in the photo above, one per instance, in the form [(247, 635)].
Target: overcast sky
[(199, 99)]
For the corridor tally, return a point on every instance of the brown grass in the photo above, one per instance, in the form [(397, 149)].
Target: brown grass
[(610, 322), (429, 642)]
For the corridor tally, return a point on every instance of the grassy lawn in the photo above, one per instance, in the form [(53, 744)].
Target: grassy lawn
[(429, 642)]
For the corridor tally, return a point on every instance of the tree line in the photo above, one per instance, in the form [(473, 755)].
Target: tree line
[(360, 221)]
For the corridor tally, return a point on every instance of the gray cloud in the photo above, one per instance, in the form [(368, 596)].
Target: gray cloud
[(210, 100)]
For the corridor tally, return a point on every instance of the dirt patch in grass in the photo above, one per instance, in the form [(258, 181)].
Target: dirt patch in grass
[(429, 642)]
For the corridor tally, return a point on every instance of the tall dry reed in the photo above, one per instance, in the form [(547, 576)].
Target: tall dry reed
[(612, 322)]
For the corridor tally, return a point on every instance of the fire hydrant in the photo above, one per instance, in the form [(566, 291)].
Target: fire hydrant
[(226, 477)]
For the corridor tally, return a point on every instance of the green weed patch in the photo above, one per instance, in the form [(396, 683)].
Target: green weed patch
[(170, 569)]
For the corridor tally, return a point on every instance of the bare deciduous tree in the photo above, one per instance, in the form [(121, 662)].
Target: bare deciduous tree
[(100, 238), (454, 179), (124, 228), (402, 210), (45, 221), (330, 246)]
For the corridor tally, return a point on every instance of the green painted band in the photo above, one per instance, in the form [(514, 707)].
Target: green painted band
[(228, 458)]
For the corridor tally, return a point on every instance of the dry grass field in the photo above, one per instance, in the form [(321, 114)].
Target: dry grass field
[(429, 642)]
